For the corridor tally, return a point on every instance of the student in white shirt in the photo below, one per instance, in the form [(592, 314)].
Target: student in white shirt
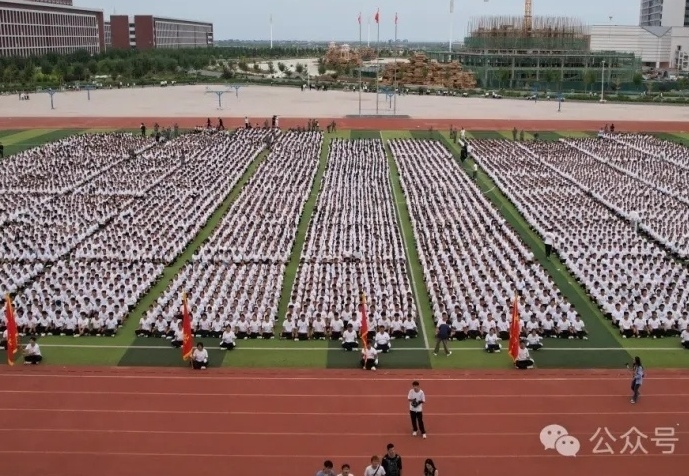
[(410, 329), (382, 340), (267, 328), (685, 338), (228, 339), (350, 339), (32, 353), (416, 398), (335, 328), (374, 469), (318, 326), (548, 241), (110, 326), (524, 360), (199, 357), (579, 329), (242, 328), (3, 341), (369, 358), (492, 342), (346, 471), (178, 338), (288, 329), (303, 328), (534, 341)]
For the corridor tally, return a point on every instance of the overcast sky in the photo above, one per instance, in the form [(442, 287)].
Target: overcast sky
[(325, 20)]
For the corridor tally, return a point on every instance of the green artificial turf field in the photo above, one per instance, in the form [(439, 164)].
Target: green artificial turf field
[(604, 349)]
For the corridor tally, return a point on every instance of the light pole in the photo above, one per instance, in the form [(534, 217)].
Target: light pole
[(602, 82)]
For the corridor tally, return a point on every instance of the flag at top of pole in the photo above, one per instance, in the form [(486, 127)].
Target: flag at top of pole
[(395, 18), (359, 18), (377, 17)]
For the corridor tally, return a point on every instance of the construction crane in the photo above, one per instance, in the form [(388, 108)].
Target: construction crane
[(528, 15)]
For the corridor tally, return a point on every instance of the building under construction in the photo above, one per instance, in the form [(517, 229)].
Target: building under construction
[(545, 53)]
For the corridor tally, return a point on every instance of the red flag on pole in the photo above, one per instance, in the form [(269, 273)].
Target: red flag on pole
[(515, 328), (359, 18), (187, 340), (363, 331), (12, 334), (377, 17), (395, 18)]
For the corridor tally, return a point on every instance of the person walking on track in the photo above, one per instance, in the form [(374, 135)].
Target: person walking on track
[(416, 399)]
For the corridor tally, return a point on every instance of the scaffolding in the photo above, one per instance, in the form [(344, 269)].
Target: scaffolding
[(521, 33)]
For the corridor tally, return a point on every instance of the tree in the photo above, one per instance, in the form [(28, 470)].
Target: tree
[(46, 68), (504, 76), (282, 67), (638, 80), (92, 67), (299, 68), (243, 65), (321, 69), (257, 68), (549, 76), (588, 79), (271, 67)]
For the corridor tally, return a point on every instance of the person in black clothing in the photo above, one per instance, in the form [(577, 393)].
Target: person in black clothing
[(143, 129), (392, 462), (2, 151), (442, 335)]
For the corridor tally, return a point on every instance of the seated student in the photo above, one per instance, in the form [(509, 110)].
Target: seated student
[(32, 353), (178, 338), (254, 328), (288, 328), (160, 327), (227, 341), (534, 341), (410, 329), (382, 341), (318, 327), (336, 327), (684, 337), (503, 328), (397, 328), (459, 330), (474, 329), (626, 327), (640, 326), (562, 328), (110, 326), (524, 360), (242, 327), (548, 326), (83, 325), (42, 325), (267, 328), (98, 327), (199, 357), (70, 328), (369, 357), (655, 328), (217, 327), (492, 342), (204, 327), (58, 325), (145, 327), (3, 341), (578, 329), (303, 328), (350, 339)]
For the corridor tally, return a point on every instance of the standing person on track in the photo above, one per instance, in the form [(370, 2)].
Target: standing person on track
[(416, 399), (327, 469), (345, 470), (374, 469), (638, 375), (429, 468), (392, 462)]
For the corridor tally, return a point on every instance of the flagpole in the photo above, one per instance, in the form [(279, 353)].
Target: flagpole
[(452, 11), (378, 65), (394, 74), (361, 59), (368, 38), (271, 31)]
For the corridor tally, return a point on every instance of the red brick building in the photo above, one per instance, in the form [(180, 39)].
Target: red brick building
[(144, 32), (38, 27)]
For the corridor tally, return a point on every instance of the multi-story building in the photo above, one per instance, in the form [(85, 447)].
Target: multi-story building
[(38, 27), (668, 13), (145, 32)]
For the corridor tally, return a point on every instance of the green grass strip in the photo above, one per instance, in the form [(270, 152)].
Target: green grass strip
[(9, 132), (601, 333), (20, 142), (364, 134)]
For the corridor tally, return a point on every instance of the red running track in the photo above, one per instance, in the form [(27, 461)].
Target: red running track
[(175, 422)]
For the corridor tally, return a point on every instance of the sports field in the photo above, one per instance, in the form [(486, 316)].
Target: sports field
[(604, 349)]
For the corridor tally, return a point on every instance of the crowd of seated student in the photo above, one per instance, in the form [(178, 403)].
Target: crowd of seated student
[(672, 152), (235, 279), (622, 270), (663, 216), (473, 261), (353, 245)]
